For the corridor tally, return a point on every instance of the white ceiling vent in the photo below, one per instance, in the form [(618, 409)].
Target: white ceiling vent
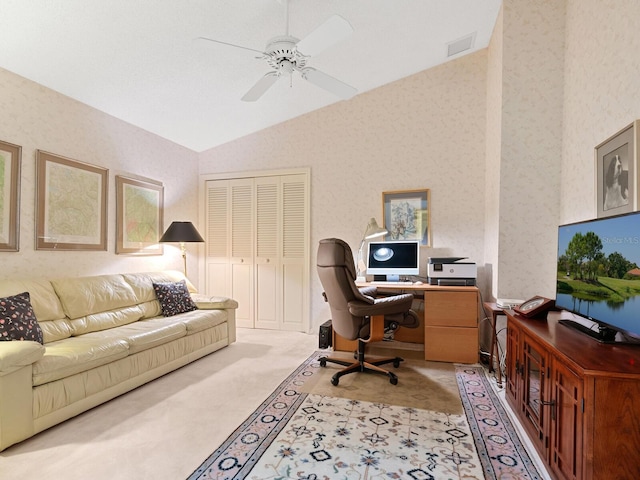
[(462, 44)]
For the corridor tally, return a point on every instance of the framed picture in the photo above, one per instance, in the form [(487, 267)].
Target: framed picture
[(71, 204), (407, 215), (10, 162), (617, 173), (139, 212)]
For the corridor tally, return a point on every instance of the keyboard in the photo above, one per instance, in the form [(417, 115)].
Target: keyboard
[(380, 282)]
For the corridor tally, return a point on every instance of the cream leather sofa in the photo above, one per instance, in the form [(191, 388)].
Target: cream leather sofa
[(103, 336)]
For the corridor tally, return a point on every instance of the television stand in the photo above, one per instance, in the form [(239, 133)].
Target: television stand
[(576, 399)]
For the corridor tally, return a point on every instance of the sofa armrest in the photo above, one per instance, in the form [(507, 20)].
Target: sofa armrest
[(17, 354), (207, 302), (16, 393)]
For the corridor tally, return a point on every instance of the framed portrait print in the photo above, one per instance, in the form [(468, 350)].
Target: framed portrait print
[(10, 163), (139, 212), (71, 204), (617, 173), (407, 215)]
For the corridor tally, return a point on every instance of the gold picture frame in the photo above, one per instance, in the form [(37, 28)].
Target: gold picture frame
[(139, 214), (617, 173), (10, 164), (71, 204), (407, 215)]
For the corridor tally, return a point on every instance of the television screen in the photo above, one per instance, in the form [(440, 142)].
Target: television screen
[(599, 274), (393, 258)]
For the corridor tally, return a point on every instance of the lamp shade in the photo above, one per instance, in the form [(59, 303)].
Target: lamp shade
[(374, 230), (181, 232)]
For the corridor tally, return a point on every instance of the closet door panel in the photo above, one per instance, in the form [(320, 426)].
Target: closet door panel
[(257, 252), (217, 228), (295, 252), (242, 251), (267, 252), (293, 302)]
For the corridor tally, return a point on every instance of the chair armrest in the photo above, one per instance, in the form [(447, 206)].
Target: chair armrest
[(17, 354), (369, 291), (382, 306), (206, 302)]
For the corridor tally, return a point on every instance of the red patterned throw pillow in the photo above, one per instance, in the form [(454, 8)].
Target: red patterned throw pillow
[(174, 298), (17, 320)]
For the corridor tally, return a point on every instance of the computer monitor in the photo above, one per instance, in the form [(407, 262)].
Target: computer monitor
[(393, 258)]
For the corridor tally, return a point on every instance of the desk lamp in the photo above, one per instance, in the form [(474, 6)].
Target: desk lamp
[(373, 231), (181, 232)]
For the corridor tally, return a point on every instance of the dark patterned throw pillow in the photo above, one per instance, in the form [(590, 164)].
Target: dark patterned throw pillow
[(174, 298), (17, 320)]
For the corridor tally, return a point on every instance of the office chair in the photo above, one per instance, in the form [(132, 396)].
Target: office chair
[(355, 313)]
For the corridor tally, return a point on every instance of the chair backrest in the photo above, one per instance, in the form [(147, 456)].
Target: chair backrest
[(338, 274)]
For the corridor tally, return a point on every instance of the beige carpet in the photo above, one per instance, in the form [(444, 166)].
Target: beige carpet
[(421, 384)]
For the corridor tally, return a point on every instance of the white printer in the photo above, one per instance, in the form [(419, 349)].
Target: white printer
[(451, 271)]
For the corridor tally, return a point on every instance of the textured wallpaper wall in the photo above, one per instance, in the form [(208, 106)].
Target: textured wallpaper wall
[(38, 118), (531, 147), (602, 95), (425, 131)]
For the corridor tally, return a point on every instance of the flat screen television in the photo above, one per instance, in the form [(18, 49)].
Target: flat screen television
[(599, 277), (393, 258)]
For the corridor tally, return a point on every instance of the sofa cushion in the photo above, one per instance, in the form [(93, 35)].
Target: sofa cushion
[(142, 283), (145, 334), (174, 298), (83, 296), (201, 320), (77, 354), (105, 320), (17, 320)]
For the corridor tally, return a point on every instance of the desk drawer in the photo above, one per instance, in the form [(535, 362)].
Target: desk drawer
[(451, 344), (451, 309)]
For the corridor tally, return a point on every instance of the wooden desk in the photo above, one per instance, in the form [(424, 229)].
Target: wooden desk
[(448, 327)]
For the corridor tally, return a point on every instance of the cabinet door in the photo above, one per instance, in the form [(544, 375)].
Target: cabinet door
[(534, 392), (514, 364), (566, 421)]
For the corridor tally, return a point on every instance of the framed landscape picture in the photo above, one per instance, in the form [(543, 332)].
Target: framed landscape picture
[(139, 212), (10, 162), (71, 204), (617, 173), (407, 215)]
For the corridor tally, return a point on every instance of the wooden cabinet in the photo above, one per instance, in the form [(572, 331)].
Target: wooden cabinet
[(451, 324), (578, 400)]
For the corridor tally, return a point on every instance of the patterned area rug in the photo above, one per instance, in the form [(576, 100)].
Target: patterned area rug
[(299, 435), (499, 447)]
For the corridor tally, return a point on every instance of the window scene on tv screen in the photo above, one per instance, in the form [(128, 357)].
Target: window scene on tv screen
[(598, 274)]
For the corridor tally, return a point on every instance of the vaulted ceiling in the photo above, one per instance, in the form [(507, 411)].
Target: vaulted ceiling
[(139, 60)]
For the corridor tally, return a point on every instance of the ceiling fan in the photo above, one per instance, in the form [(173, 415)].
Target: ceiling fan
[(287, 54)]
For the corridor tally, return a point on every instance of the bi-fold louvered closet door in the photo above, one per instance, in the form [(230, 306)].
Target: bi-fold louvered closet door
[(257, 248)]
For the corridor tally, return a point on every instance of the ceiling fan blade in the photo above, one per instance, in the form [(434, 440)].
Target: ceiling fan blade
[(329, 83), (206, 40), (332, 31), (260, 87)]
